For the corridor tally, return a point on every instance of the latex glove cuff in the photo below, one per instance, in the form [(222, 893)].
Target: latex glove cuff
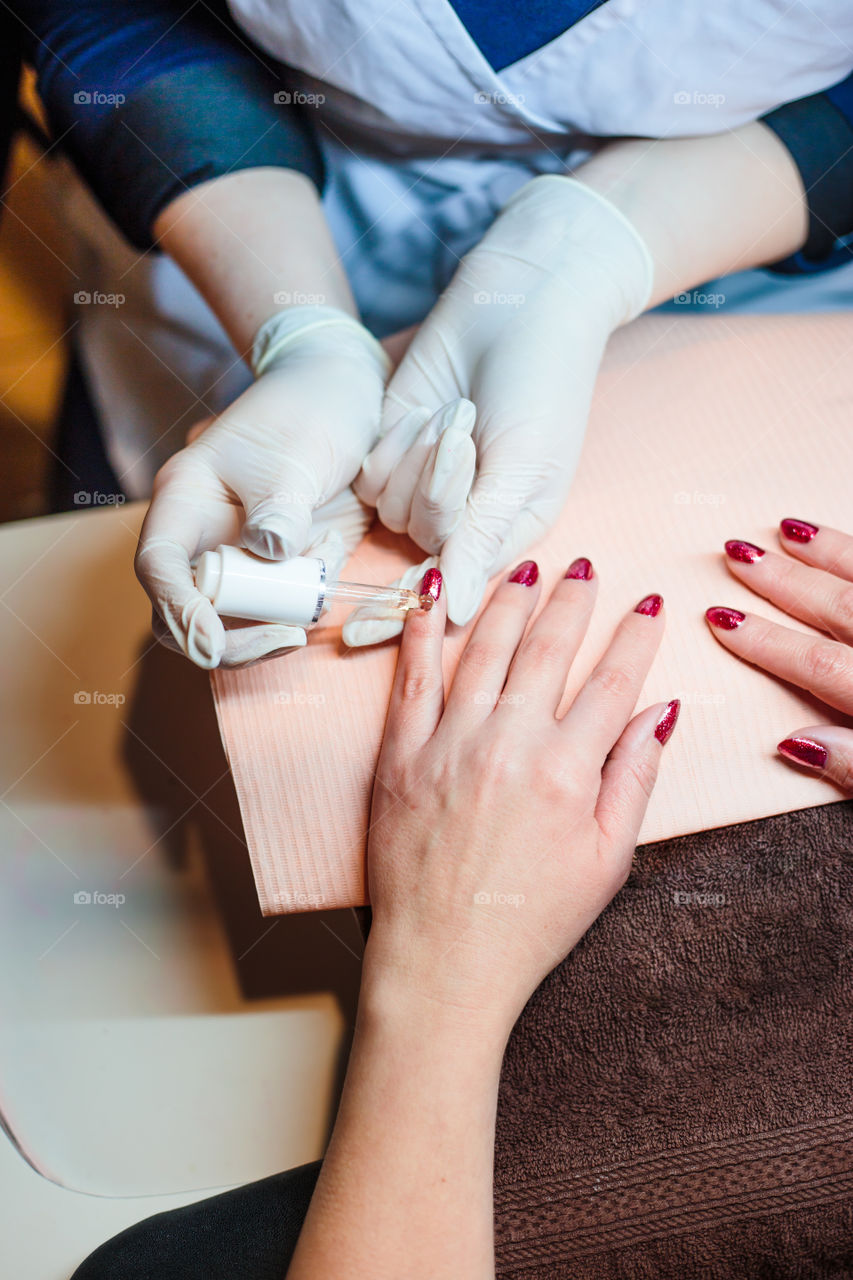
[(292, 325)]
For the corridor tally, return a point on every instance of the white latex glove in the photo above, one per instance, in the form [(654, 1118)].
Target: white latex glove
[(272, 472), (519, 331)]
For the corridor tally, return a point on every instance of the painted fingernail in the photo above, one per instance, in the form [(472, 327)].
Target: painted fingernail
[(804, 751), (744, 552), (580, 568), (526, 574), (725, 619), (798, 530), (668, 721), (650, 606), (430, 588)]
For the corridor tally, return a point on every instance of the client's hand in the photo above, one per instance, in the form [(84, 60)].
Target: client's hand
[(499, 832), (812, 582)]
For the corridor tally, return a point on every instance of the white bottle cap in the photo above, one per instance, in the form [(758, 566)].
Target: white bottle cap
[(241, 585)]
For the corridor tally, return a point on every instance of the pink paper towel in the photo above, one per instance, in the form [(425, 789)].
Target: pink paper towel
[(702, 429)]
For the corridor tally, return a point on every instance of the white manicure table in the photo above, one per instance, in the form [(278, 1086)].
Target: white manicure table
[(159, 1039)]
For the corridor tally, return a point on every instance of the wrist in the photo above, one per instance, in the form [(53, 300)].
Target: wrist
[(398, 994), (294, 325)]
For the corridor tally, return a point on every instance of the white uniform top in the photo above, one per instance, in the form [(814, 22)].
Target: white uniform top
[(424, 142)]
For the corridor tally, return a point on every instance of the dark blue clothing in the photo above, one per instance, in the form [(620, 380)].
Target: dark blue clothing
[(151, 98)]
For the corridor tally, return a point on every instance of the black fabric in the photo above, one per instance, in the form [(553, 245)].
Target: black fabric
[(81, 475), (246, 1234), (189, 126), (820, 140)]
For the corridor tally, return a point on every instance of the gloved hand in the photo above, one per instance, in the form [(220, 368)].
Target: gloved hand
[(519, 331), (272, 472)]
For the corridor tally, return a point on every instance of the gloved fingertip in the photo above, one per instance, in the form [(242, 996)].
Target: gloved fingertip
[(459, 415), (277, 536), (393, 512), (204, 634), (465, 588), (453, 468), (360, 632)]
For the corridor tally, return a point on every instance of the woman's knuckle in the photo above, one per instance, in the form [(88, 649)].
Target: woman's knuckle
[(826, 663), (614, 681), (481, 655), (842, 608)]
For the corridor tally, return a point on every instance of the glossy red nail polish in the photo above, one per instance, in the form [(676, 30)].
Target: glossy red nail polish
[(725, 619), (580, 568), (798, 530), (526, 574), (431, 585), (744, 552), (668, 721), (650, 606), (804, 751)]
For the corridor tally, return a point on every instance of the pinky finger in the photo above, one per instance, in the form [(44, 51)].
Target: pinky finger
[(822, 749), (629, 777)]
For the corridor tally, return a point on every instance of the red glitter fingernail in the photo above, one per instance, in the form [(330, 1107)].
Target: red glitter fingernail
[(668, 721), (804, 751), (580, 568), (526, 574), (725, 619), (798, 530), (650, 606), (431, 586), (744, 552)]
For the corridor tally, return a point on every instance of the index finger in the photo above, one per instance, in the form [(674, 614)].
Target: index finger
[(417, 695)]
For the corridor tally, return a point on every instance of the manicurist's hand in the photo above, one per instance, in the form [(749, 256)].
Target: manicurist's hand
[(518, 336), (812, 580), (271, 473), (498, 834)]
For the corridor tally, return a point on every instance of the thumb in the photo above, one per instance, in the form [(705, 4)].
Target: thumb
[(278, 520), (470, 554), (823, 749)]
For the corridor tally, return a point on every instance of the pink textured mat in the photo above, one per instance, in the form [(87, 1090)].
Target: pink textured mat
[(702, 429)]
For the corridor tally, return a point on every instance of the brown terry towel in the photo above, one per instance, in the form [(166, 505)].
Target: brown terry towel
[(677, 1098)]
